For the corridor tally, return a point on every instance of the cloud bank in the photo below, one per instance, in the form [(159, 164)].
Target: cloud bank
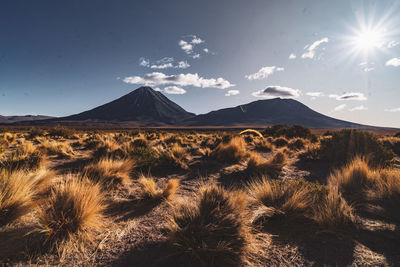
[(395, 62), (189, 79), (174, 90)]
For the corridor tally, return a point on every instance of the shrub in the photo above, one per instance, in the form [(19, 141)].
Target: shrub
[(289, 132), (231, 152), (264, 146), (72, 215), (210, 232), (151, 191), (270, 167), (109, 173), (280, 142), (345, 145), (35, 132), (296, 144), (18, 191), (61, 131)]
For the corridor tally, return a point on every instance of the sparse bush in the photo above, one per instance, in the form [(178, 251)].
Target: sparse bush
[(231, 152), (281, 142), (72, 215), (36, 132), (151, 190), (288, 132), (345, 145), (109, 173), (61, 131), (211, 232), (264, 146), (296, 144)]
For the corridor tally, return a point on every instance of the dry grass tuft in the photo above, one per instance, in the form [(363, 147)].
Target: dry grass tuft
[(212, 232), (264, 146), (109, 173), (151, 190), (61, 149), (26, 156), (231, 152), (270, 167), (333, 212), (72, 215), (286, 200), (19, 190)]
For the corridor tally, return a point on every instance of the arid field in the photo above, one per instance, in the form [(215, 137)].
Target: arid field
[(279, 196)]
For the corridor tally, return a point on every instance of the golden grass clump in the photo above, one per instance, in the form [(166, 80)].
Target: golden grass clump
[(26, 156), (353, 179), (19, 190), (61, 149), (232, 151), (72, 215), (151, 190), (212, 231), (109, 173), (332, 211), (109, 148), (270, 167), (287, 200)]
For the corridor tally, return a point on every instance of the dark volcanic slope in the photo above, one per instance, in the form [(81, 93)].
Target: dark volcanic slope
[(269, 112), (144, 105), (12, 119)]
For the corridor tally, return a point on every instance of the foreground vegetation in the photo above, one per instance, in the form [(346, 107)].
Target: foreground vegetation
[(155, 198)]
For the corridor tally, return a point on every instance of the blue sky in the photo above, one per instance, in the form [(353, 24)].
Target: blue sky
[(341, 58)]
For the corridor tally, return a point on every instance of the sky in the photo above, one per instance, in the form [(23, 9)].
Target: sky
[(340, 58)]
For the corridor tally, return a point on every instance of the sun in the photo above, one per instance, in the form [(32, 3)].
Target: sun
[(367, 40)]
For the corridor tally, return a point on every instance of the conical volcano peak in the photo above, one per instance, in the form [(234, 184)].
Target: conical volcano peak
[(143, 105)]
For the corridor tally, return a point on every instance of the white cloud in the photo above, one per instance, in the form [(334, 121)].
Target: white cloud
[(311, 48), (340, 107), (157, 89), (274, 91), (349, 96), (263, 73), (182, 65), (196, 56), (189, 79), (174, 90), (196, 40), (162, 66), (395, 62), (232, 92), (206, 50), (315, 94), (392, 44), (185, 46), (144, 62), (292, 56), (358, 108), (368, 69), (392, 109)]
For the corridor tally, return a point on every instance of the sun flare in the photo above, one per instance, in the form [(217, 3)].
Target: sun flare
[(368, 39)]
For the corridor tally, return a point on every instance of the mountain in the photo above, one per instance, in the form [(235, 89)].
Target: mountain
[(144, 106), (12, 119), (269, 112)]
